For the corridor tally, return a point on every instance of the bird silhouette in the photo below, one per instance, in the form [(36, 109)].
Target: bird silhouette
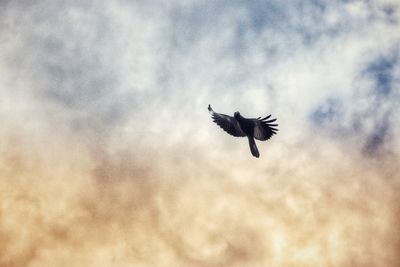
[(259, 128)]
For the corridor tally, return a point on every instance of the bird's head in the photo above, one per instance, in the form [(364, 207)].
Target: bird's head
[(236, 114)]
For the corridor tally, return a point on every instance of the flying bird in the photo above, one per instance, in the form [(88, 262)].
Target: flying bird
[(261, 128)]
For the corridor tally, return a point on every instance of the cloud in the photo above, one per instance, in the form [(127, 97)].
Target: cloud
[(109, 157)]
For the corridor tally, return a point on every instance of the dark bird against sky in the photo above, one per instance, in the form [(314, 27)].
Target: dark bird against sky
[(260, 128)]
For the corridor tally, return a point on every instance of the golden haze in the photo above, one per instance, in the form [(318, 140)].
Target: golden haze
[(68, 205)]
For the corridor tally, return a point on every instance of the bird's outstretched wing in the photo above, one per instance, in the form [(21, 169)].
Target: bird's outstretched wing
[(227, 123), (263, 128)]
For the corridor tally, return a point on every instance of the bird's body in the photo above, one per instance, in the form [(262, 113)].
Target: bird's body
[(260, 128), (245, 124)]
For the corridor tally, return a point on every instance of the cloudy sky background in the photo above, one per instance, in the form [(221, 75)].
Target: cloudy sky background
[(109, 156)]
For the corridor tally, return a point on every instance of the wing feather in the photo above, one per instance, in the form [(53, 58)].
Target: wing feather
[(227, 123), (263, 128)]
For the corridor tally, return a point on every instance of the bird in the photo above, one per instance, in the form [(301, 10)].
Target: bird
[(260, 128)]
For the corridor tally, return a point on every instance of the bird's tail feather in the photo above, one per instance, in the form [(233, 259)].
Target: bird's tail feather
[(253, 147)]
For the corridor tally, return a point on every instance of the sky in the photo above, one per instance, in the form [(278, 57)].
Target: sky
[(109, 157)]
